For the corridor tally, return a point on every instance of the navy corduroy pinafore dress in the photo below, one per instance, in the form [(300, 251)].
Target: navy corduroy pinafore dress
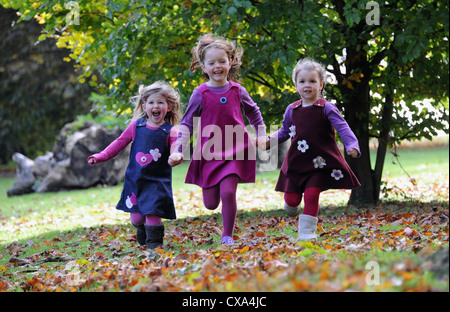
[(147, 186)]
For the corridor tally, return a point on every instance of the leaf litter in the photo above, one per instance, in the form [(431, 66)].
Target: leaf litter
[(397, 235)]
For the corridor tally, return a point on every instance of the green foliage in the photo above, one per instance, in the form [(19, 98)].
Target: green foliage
[(135, 42), (394, 65)]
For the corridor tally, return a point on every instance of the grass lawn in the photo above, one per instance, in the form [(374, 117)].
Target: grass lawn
[(77, 241)]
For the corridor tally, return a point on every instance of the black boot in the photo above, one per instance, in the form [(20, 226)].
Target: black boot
[(155, 235), (140, 234)]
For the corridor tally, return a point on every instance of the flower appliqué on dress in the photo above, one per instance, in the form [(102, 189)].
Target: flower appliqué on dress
[(155, 154), (337, 174), (319, 162), (293, 132), (302, 146)]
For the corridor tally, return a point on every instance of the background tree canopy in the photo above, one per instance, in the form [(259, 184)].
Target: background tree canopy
[(39, 92), (385, 58)]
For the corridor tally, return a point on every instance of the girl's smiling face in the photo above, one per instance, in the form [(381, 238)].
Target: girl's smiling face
[(308, 85), (217, 65), (156, 108)]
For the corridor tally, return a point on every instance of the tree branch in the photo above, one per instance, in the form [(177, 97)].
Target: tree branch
[(259, 79)]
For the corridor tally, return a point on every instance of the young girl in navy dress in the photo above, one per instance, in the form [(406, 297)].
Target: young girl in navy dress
[(313, 162), (147, 190), (217, 168)]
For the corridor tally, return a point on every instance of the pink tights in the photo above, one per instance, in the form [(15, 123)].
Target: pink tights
[(138, 219), (311, 200), (225, 191)]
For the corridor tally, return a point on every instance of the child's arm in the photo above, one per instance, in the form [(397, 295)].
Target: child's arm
[(186, 127), (175, 157), (342, 127), (252, 112), (115, 147)]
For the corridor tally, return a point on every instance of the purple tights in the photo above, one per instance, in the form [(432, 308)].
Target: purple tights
[(138, 219), (225, 191)]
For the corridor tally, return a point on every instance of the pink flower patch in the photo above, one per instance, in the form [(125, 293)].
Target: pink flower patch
[(143, 159)]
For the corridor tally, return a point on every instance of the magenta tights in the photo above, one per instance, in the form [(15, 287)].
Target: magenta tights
[(225, 191), (138, 219)]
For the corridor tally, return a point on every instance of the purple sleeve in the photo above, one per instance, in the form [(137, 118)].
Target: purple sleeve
[(341, 126), (251, 111), (117, 145), (283, 133), (194, 109)]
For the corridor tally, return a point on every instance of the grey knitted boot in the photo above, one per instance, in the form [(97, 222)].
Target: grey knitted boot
[(307, 226), (291, 211), (155, 235)]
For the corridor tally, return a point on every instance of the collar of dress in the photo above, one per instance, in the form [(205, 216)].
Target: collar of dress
[(319, 102)]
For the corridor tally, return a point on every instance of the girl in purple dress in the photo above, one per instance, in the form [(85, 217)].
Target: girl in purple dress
[(224, 154), (313, 162), (147, 189)]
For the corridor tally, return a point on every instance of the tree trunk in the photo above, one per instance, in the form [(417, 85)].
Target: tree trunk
[(383, 142), (357, 116)]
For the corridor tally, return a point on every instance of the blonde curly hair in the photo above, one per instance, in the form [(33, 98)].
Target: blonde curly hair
[(166, 90), (310, 64)]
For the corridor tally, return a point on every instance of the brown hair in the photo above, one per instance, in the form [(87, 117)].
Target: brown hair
[(207, 41), (166, 90)]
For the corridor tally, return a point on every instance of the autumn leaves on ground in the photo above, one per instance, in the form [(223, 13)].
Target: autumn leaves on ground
[(80, 243)]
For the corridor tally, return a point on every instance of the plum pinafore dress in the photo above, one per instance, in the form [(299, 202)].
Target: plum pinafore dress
[(313, 159), (147, 186), (223, 145)]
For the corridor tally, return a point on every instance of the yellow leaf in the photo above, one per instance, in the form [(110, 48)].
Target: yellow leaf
[(320, 228), (83, 261), (243, 250)]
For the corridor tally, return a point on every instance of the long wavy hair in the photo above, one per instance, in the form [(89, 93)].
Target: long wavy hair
[(207, 41)]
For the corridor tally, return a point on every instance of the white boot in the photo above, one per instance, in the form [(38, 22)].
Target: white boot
[(307, 226), (291, 211)]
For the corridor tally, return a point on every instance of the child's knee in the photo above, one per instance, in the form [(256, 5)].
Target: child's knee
[(292, 199), (136, 218), (211, 203)]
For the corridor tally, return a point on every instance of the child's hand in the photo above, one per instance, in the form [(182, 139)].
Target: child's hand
[(353, 152), (263, 143), (91, 160), (175, 159)]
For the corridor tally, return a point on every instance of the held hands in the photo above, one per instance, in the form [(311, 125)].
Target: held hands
[(353, 152), (262, 142), (175, 159)]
